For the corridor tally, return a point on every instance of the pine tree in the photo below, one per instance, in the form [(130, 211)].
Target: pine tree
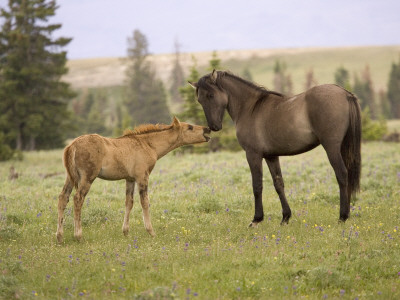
[(310, 80), (146, 98), (192, 111), (34, 100), (342, 78), (364, 89), (246, 74), (177, 79), (393, 93), (282, 82), (215, 62)]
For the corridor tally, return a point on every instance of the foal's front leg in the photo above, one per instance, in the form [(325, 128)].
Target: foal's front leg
[(130, 188), (255, 163), (144, 201)]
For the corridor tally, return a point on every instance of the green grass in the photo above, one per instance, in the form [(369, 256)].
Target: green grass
[(200, 207)]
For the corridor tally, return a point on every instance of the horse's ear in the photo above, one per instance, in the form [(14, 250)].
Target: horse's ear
[(176, 122), (193, 84), (214, 76)]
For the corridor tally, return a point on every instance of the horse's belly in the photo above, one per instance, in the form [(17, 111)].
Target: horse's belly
[(291, 142)]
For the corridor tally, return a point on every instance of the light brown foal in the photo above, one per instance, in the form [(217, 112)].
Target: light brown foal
[(131, 157)]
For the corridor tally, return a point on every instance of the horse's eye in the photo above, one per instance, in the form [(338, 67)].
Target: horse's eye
[(190, 127), (210, 96)]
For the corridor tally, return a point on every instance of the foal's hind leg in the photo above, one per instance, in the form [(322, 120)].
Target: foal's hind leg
[(144, 201), (276, 174), (336, 160), (130, 188), (81, 192), (62, 203)]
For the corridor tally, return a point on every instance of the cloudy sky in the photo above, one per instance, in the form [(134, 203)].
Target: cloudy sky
[(100, 28)]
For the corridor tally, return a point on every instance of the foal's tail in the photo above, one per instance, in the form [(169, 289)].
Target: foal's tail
[(69, 163), (351, 146)]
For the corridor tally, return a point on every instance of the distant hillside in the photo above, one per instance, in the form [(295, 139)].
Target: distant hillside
[(106, 72)]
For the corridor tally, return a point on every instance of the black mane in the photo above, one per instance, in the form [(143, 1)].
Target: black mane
[(206, 81)]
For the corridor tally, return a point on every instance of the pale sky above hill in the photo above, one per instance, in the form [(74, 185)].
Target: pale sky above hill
[(100, 28)]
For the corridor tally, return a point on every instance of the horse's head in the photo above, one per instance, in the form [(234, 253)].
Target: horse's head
[(212, 98), (190, 134)]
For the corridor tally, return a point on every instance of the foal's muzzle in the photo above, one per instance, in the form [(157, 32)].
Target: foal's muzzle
[(206, 130)]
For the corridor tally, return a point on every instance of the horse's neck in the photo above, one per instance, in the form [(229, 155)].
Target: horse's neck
[(162, 142), (241, 97)]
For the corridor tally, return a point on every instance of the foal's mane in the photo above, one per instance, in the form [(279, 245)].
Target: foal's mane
[(222, 74), (146, 128)]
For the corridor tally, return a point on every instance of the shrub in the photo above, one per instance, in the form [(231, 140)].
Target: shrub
[(372, 130)]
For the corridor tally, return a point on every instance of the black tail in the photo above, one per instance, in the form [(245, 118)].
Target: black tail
[(351, 146)]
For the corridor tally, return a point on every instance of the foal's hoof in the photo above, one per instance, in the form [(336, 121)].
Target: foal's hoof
[(59, 238)]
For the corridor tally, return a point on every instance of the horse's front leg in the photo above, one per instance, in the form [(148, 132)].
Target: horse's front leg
[(130, 188), (275, 170), (144, 201), (255, 163)]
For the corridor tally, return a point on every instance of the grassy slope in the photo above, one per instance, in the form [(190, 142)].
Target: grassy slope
[(324, 62), (201, 205)]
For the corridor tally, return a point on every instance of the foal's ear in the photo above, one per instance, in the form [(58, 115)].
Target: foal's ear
[(176, 123), (214, 76), (193, 84)]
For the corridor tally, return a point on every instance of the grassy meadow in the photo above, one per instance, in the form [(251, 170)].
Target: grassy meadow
[(201, 206)]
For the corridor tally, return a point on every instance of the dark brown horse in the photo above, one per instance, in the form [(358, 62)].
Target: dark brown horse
[(269, 124)]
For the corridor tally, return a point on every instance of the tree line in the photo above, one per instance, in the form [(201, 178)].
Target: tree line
[(40, 111)]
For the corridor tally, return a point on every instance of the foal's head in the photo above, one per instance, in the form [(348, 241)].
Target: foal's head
[(212, 98), (190, 134)]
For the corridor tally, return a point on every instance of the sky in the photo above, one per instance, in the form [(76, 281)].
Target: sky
[(100, 28)]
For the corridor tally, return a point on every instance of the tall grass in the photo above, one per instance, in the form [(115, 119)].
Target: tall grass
[(200, 207)]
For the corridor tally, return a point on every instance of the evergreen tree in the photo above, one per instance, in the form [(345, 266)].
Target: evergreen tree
[(177, 79), (34, 101), (310, 80), (282, 82), (385, 104), (364, 90), (215, 62), (342, 78), (246, 74), (146, 98), (393, 93), (192, 111)]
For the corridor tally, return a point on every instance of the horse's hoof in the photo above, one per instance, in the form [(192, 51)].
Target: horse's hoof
[(253, 224)]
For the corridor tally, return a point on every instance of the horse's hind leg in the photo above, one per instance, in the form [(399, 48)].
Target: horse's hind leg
[(81, 192), (276, 174), (62, 203), (130, 188), (336, 160)]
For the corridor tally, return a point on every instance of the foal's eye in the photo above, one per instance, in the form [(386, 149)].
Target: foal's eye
[(190, 127), (210, 96)]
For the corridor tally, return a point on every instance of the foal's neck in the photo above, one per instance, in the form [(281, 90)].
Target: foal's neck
[(162, 142)]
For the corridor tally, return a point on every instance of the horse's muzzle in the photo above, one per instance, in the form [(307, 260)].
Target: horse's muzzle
[(215, 128)]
